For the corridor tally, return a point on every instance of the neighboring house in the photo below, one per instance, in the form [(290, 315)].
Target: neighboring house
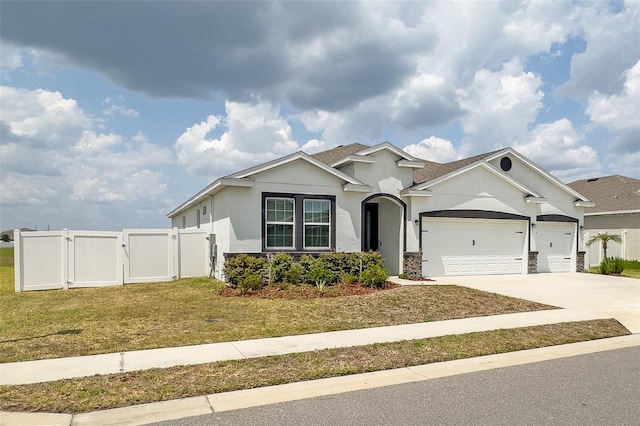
[(616, 211), (495, 213)]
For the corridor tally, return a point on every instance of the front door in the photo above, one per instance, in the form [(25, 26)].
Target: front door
[(370, 227)]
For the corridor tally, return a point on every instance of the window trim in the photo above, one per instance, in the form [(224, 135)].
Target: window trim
[(266, 223), (305, 224), (298, 221)]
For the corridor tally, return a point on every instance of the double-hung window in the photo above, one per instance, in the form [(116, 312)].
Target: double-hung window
[(298, 222), (317, 224), (280, 224)]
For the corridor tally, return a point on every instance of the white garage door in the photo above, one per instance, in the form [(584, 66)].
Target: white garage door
[(555, 242), (473, 246)]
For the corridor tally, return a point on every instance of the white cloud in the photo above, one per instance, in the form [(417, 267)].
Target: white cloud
[(556, 147), (619, 111), (499, 106), (52, 157), (433, 149), (249, 134), (624, 164), (115, 106)]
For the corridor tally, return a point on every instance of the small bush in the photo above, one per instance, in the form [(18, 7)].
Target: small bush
[(279, 264), (403, 276), (252, 282), (239, 267), (374, 276), (347, 278), (612, 265), (319, 275), (294, 274)]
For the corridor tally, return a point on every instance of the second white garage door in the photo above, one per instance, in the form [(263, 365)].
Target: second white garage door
[(555, 242), (473, 246)]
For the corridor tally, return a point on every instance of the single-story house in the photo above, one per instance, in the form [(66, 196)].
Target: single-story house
[(494, 213), (616, 211)]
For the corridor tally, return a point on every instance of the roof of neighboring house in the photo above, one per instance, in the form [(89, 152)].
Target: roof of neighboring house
[(610, 193), (10, 232)]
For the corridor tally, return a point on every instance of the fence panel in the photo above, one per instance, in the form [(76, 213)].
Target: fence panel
[(40, 260), (193, 252), (95, 259), (150, 255)]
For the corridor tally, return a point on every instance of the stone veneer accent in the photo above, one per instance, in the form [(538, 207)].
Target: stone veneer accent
[(412, 265), (532, 264), (580, 261)]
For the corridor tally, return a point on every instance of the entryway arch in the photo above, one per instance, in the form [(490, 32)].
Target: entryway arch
[(383, 228)]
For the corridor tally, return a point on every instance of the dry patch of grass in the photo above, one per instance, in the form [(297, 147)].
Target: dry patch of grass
[(61, 323), (119, 390)]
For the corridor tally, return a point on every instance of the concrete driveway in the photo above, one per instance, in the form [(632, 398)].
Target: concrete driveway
[(611, 297)]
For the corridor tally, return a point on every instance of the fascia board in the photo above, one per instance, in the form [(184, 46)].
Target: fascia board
[(535, 200), (410, 164), (292, 157), (390, 147), (611, 212), (353, 159), (350, 187), (212, 189), (416, 193), (541, 171)]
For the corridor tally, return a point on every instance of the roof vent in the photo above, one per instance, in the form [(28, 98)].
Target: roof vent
[(592, 179)]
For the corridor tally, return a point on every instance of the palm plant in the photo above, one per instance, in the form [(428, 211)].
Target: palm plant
[(604, 237)]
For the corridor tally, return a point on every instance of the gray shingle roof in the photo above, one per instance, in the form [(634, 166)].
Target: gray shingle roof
[(339, 152), (431, 170), (609, 193)]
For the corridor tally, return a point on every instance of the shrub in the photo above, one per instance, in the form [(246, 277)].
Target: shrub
[(278, 265), (294, 274), (238, 268), (612, 265), (374, 276), (403, 276), (320, 275), (347, 278), (252, 282)]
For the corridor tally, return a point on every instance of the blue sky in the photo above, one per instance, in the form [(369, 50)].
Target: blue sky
[(113, 113)]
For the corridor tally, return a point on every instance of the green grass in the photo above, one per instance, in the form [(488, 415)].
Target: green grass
[(125, 389), (60, 323), (6, 271)]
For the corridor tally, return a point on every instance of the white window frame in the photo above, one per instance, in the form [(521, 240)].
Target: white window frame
[(292, 224), (305, 223)]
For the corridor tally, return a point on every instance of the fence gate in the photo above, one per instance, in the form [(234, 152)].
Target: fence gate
[(95, 259), (150, 255)]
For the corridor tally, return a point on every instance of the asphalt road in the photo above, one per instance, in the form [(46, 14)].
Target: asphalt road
[(596, 389)]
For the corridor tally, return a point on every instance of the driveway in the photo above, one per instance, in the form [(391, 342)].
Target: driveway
[(610, 297)]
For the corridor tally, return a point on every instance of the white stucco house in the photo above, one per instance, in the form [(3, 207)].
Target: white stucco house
[(616, 210), (495, 213)]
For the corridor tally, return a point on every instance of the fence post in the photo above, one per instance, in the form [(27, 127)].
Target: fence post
[(65, 258), (17, 260), (175, 258)]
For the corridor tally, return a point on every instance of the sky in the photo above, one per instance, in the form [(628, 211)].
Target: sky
[(113, 113)]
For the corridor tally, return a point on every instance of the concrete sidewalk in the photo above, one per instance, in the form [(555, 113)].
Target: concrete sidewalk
[(208, 404), (63, 368)]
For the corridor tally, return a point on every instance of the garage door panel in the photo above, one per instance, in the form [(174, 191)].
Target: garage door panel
[(555, 242), (472, 246)]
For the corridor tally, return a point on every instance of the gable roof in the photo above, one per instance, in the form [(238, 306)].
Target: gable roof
[(338, 153), (610, 193), (455, 168), (435, 170), (242, 179)]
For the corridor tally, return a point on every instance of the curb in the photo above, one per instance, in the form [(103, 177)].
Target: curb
[(195, 406)]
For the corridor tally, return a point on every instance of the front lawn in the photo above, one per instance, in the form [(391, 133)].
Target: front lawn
[(120, 390), (60, 323), (631, 269)]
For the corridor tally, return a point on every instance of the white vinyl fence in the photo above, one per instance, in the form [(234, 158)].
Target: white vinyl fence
[(69, 259)]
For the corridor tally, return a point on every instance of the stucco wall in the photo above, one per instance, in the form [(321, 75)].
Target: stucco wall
[(383, 175), (613, 221)]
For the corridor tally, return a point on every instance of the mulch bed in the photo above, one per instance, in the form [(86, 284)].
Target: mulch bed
[(305, 291)]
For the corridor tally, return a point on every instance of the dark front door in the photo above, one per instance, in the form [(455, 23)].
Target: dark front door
[(370, 227)]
